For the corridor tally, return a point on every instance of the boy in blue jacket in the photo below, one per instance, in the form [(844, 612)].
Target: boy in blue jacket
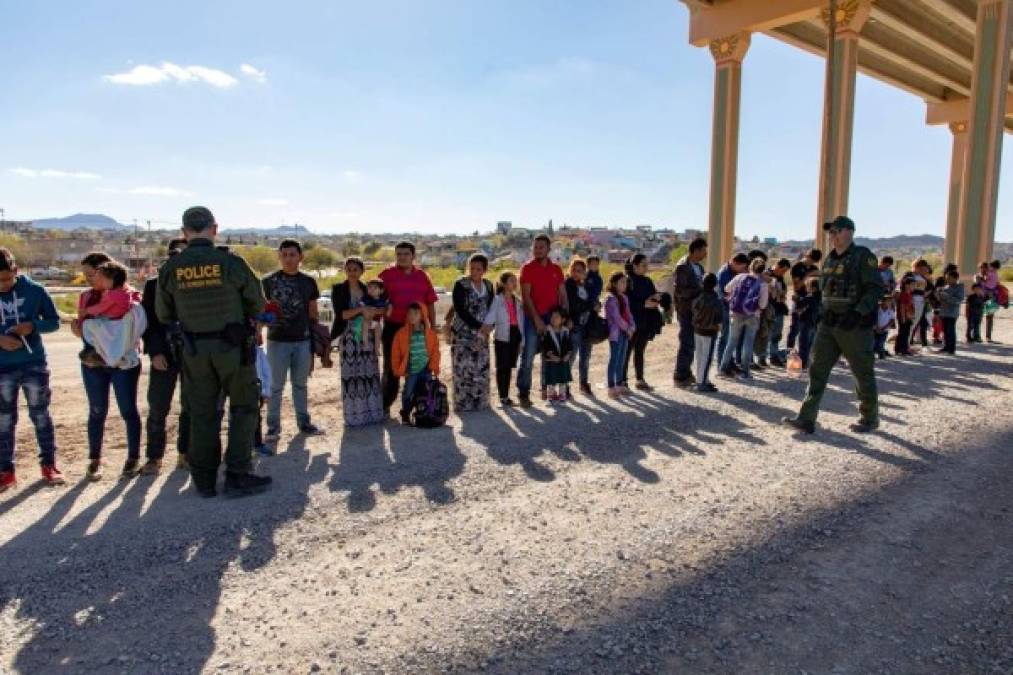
[(26, 312)]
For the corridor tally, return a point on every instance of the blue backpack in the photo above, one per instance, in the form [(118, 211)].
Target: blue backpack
[(746, 298)]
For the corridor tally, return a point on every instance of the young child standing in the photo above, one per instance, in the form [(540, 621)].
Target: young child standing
[(905, 308), (264, 382), (26, 313), (975, 312), (505, 319), (886, 318), (621, 329), (556, 350), (708, 312), (593, 281), (415, 355), (950, 298)]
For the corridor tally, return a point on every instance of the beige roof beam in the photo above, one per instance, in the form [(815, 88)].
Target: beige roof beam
[(723, 17), (876, 42), (916, 25), (960, 13), (812, 39), (957, 110)]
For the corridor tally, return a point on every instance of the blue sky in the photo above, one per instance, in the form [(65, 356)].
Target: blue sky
[(428, 116)]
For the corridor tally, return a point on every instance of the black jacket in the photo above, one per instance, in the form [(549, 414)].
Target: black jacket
[(156, 335), (460, 297), (687, 286), (579, 309), (708, 314), (341, 301)]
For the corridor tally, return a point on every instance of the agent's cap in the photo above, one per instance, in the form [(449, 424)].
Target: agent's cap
[(840, 223)]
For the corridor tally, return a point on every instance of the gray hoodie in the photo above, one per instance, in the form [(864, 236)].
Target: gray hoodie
[(950, 299)]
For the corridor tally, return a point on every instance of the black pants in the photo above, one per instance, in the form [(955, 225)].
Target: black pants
[(506, 360), (635, 351), (687, 343), (974, 327), (389, 382), (950, 334), (989, 322), (903, 343), (161, 390)]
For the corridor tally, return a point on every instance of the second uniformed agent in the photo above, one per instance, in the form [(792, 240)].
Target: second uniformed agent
[(851, 287), (214, 295)]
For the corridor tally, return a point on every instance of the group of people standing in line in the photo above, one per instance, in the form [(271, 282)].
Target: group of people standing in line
[(735, 319)]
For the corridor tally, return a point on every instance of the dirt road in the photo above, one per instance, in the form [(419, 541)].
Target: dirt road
[(671, 532)]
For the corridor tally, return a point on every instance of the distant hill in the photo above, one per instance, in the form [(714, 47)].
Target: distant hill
[(87, 221), (928, 241), (280, 231)]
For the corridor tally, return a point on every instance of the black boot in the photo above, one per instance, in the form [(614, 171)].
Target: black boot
[(245, 484), (864, 426), (798, 425)]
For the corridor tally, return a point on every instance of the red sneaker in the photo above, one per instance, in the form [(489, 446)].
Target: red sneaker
[(52, 475), (7, 480)]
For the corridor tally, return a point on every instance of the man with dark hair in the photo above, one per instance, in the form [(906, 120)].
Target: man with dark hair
[(26, 312), (689, 275), (543, 289), (289, 346), (886, 271), (405, 284), (215, 296), (734, 267), (815, 255), (162, 345)]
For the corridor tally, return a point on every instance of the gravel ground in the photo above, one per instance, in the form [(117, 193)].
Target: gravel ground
[(671, 532)]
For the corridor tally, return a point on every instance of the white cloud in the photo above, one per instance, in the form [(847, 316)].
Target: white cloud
[(254, 74), (273, 202), (351, 175), (145, 75), (53, 173), (159, 191)]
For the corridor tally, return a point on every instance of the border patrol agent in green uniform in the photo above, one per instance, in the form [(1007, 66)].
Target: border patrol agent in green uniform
[(214, 295), (851, 287)]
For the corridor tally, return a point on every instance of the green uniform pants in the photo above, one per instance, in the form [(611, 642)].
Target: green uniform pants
[(213, 372), (828, 346)]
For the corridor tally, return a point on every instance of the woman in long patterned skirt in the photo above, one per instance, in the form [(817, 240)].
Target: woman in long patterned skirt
[(361, 394), (469, 350)]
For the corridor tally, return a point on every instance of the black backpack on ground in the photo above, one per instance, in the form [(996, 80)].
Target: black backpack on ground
[(430, 405)]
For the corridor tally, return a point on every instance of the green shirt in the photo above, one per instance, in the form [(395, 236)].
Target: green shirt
[(851, 281), (205, 289), (418, 356)]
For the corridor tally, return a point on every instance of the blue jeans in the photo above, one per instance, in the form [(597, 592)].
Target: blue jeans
[(726, 328), (806, 332), (617, 357), (33, 379), (773, 346), (410, 383), (879, 343), (97, 382), (743, 332), (532, 345), (285, 357), (582, 348), (687, 343)]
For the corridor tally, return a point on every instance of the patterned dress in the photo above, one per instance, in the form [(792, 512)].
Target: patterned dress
[(361, 393), (470, 350)]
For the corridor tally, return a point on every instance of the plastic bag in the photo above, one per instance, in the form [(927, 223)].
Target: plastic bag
[(793, 364)]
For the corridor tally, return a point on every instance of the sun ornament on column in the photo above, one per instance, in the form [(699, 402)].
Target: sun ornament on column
[(728, 53), (839, 111)]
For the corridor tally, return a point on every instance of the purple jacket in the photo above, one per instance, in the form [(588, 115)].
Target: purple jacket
[(619, 319)]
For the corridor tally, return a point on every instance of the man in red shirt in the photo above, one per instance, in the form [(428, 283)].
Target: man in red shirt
[(542, 290), (404, 284)]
